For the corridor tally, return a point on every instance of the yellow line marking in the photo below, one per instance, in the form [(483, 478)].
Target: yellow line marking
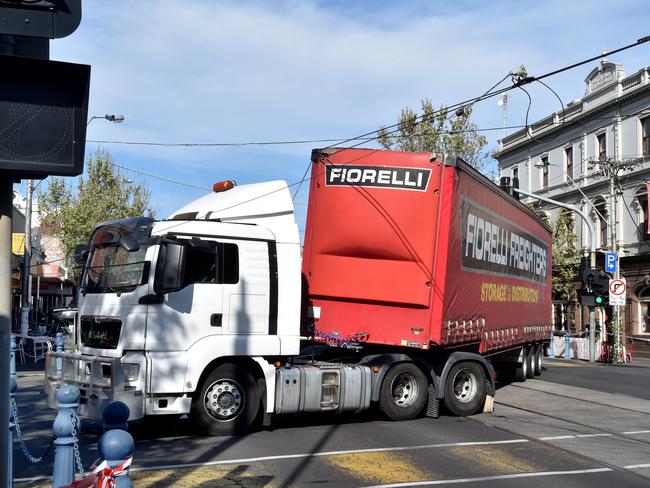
[(495, 459), (379, 467), (213, 476)]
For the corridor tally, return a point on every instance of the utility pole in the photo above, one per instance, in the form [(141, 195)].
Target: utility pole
[(27, 262)]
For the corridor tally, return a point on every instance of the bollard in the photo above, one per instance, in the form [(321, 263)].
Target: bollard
[(13, 386), (115, 416), (551, 347), (567, 346), (59, 348), (64, 458), (116, 448)]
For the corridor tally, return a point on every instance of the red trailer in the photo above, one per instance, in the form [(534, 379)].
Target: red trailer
[(418, 250)]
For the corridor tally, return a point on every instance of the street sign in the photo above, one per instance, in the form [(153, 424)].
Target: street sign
[(617, 290), (610, 262)]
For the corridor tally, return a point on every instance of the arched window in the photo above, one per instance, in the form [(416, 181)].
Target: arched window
[(601, 216), (641, 206)]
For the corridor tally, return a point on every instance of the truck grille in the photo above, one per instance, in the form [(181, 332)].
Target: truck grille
[(100, 332)]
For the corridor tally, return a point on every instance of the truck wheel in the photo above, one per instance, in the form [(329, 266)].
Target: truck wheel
[(227, 403), (403, 392), (530, 369), (539, 359), (465, 388), (521, 369)]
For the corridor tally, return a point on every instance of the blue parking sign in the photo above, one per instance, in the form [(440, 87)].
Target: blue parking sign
[(610, 262)]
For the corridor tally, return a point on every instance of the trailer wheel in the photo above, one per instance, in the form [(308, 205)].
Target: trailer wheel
[(227, 403), (539, 359), (465, 388), (521, 369), (531, 355), (403, 392)]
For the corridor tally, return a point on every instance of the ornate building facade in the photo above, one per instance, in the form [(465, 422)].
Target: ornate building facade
[(558, 157)]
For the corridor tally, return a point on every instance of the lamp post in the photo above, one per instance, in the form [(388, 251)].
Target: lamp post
[(541, 163), (592, 246), (116, 118)]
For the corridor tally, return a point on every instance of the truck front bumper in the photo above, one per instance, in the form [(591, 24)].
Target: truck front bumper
[(100, 380)]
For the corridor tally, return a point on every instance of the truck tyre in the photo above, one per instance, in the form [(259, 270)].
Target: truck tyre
[(227, 403), (403, 393), (530, 369), (465, 388), (539, 359), (521, 369)]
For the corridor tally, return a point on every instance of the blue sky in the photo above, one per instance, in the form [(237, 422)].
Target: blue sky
[(213, 71)]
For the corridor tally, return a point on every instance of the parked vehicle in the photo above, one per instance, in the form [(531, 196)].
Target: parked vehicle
[(419, 275)]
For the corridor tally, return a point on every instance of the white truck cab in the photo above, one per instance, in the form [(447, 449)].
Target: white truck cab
[(163, 303)]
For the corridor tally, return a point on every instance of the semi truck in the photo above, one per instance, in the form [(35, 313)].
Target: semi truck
[(419, 278)]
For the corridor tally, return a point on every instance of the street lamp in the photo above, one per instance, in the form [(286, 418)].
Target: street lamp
[(541, 163), (117, 118)]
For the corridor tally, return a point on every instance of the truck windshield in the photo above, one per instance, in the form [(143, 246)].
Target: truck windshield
[(111, 267)]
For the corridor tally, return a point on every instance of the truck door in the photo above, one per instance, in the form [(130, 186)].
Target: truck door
[(246, 292), (196, 310)]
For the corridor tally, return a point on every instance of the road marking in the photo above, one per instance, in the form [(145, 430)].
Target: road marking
[(594, 435), (637, 466), (330, 453), (634, 432), (555, 438), (379, 467), (493, 478)]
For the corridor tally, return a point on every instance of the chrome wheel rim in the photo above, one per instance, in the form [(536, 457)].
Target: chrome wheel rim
[(224, 400), (465, 385), (404, 388)]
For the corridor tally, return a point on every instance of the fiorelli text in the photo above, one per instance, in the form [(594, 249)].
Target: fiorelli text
[(378, 176), (492, 244)]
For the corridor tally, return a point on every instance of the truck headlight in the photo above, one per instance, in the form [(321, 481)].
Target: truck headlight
[(131, 372)]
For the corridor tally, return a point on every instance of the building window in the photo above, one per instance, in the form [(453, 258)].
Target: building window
[(544, 171), (601, 216), (568, 157), (645, 126), (601, 143), (642, 205), (515, 174)]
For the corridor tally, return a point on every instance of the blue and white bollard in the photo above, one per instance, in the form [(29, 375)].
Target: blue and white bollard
[(116, 448), (59, 348), (567, 346), (551, 347), (13, 386), (64, 468), (116, 414)]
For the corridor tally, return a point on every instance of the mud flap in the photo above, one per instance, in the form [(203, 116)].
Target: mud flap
[(433, 404)]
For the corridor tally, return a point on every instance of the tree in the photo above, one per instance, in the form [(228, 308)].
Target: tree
[(438, 131), (566, 258), (104, 194)]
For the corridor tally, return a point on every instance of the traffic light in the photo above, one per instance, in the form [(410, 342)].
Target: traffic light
[(587, 298), (587, 274), (600, 287)]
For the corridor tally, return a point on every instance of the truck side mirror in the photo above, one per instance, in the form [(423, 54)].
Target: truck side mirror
[(81, 254), (170, 268)]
